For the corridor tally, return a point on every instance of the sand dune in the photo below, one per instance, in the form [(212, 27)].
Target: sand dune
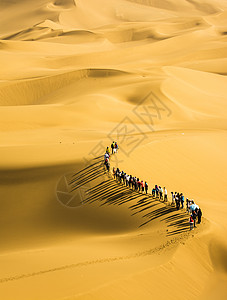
[(76, 75)]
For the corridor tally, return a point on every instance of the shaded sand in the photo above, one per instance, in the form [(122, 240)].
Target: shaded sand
[(76, 75)]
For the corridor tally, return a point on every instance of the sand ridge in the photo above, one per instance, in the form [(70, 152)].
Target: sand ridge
[(76, 75)]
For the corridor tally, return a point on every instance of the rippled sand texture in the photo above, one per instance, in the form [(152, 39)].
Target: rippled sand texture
[(76, 75)]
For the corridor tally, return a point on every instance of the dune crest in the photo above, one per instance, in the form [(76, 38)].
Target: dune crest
[(75, 76)]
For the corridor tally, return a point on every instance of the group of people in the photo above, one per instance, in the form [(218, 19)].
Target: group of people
[(195, 213), (114, 147), (138, 185), (130, 181), (177, 200), (160, 193)]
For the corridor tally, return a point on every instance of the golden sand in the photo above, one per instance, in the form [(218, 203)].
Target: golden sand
[(76, 75)]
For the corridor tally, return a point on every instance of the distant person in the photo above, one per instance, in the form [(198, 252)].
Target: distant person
[(139, 184), (188, 203), (157, 191), (165, 195), (112, 147), (114, 173), (142, 186), (191, 221), (182, 200), (199, 215), (153, 192), (108, 150), (177, 200), (194, 215), (173, 198), (116, 147), (161, 193), (106, 155), (146, 187)]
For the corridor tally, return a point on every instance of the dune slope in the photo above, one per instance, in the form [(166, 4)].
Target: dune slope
[(76, 75)]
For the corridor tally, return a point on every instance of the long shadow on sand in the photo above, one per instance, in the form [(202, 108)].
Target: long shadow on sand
[(107, 191)]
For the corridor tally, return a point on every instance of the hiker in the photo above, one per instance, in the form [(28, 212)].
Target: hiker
[(161, 192), (127, 180), (146, 187), (114, 173), (142, 185), (115, 147), (182, 200), (139, 183), (173, 198), (199, 214), (136, 184), (153, 192), (188, 205), (112, 147), (191, 221), (106, 155), (108, 166), (108, 150), (165, 195), (177, 200), (194, 215), (157, 191)]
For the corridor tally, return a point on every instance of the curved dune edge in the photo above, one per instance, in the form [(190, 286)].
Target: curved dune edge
[(73, 75)]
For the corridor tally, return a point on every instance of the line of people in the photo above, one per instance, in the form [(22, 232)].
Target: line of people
[(114, 147), (130, 181), (138, 185)]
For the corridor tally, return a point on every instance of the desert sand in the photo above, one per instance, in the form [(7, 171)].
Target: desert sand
[(76, 75)]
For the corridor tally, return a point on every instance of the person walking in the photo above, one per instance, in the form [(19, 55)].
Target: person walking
[(199, 215), (161, 193), (112, 147), (165, 195), (173, 198), (157, 191), (191, 221), (153, 192), (142, 186), (194, 215), (146, 187), (139, 184), (114, 173), (182, 200), (116, 146), (108, 151)]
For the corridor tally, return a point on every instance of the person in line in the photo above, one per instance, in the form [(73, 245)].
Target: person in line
[(116, 147), (173, 199), (165, 195), (157, 191), (187, 205), (112, 147), (177, 200), (108, 151), (194, 215), (146, 187), (153, 192), (106, 163), (161, 193), (106, 155), (114, 173), (199, 215), (191, 221), (139, 184), (142, 186), (182, 200)]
